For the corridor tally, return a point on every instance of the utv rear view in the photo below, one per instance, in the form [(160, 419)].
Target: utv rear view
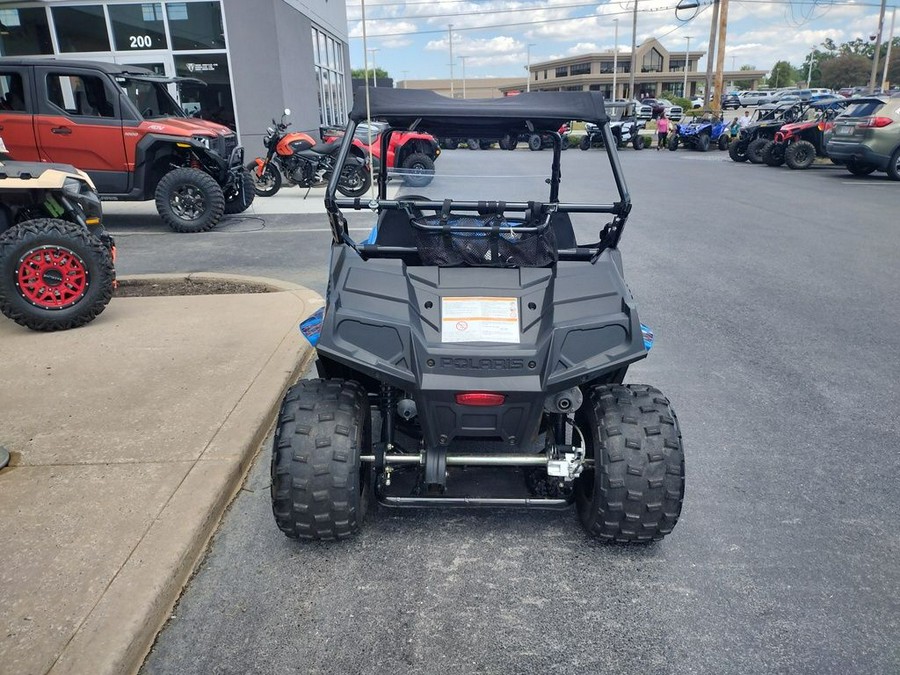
[(473, 352)]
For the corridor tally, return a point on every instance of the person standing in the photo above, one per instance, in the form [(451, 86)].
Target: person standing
[(734, 129), (745, 120), (662, 131)]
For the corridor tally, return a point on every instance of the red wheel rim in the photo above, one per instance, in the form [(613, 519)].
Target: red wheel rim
[(52, 277)]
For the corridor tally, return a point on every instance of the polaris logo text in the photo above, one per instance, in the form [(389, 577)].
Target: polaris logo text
[(482, 364)]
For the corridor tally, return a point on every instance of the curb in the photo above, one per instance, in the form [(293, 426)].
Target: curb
[(122, 627), (271, 285)]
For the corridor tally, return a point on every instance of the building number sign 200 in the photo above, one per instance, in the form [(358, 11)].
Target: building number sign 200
[(140, 41)]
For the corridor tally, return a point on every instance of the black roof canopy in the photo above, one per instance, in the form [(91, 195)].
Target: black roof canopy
[(545, 111)]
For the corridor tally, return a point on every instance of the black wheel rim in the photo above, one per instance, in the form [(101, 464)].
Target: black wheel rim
[(187, 202), (265, 182), (352, 180)]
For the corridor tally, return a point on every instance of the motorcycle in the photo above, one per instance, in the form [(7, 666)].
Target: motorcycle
[(296, 158)]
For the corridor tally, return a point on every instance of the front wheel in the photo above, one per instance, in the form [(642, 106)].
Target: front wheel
[(585, 143), (266, 183), (637, 142), (418, 170), (473, 144), (189, 200), (723, 142), (754, 150), (535, 142), (54, 275), (673, 144), (737, 150), (893, 167), (773, 153), (318, 490), (355, 180), (800, 155), (703, 142), (634, 490)]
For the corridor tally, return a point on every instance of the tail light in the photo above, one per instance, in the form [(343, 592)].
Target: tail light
[(874, 123), (480, 398)]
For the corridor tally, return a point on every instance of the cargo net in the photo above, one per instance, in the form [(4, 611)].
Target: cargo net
[(492, 240)]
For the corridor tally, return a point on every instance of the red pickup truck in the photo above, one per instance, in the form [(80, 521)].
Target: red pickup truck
[(121, 126)]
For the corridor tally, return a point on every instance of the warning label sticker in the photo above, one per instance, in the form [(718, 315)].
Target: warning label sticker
[(480, 320)]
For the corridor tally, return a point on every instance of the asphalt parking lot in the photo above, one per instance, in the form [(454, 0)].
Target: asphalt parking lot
[(772, 294)]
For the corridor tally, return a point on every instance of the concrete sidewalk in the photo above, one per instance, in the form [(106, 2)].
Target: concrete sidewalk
[(129, 438)]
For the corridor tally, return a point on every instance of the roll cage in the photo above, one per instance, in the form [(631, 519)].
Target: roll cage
[(537, 112)]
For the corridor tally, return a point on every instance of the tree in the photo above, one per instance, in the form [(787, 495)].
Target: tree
[(360, 73), (845, 70), (783, 75)]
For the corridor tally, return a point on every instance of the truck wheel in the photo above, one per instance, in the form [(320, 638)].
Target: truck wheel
[(638, 142), (268, 183), (754, 150), (535, 142), (585, 142), (859, 169), (235, 202), (54, 274), (189, 200), (737, 150), (703, 142), (634, 491), (800, 155), (318, 490), (419, 170), (723, 142)]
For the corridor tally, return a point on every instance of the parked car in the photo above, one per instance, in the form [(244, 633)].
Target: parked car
[(731, 102), (866, 137), (846, 92), (697, 102), (119, 124), (652, 108), (756, 97)]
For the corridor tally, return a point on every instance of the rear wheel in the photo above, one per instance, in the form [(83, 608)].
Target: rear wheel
[(634, 491), (773, 153), (673, 143), (585, 142), (418, 170), (737, 150), (723, 142), (189, 200), (893, 168), (54, 275), (318, 490), (535, 142), (800, 155), (638, 142), (754, 150), (355, 180), (472, 144), (240, 197), (859, 168), (268, 182)]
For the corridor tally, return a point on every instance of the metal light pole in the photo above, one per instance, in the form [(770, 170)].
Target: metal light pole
[(450, 32), (463, 59), (528, 66), (812, 58), (374, 73), (733, 70), (615, 93), (687, 61), (631, 93), (887, 58), (404, 73), (877, 48)]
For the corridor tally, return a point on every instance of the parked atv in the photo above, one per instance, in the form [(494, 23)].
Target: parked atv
[(699, 134), (624, 124), (767, 119), (535, 141), (473, 353), (798, 144), (56, 259)]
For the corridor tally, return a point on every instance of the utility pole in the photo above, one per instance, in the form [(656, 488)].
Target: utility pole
[(631, 93), (887, 58), (615, 93), (687, 61), (463, 59), (528, 66), (716, 103), (710, 53), (450, 33), (877, 48)]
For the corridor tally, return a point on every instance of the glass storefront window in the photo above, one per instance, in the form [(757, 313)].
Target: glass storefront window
[(26, 32), (211, 102), (196, 25), (81, 28), (137, 27), (329, 69)]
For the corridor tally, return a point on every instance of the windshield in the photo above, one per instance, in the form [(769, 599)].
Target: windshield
[(152, 99), (862, 109)]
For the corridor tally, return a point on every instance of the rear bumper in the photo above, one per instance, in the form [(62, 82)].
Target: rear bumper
[(856, 152)]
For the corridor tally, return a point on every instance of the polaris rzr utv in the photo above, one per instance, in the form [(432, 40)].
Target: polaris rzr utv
[(473, 351)]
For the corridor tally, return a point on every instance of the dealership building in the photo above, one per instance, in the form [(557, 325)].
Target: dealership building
[(256, 57)]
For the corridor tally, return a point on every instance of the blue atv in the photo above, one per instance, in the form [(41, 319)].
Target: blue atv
[(699, 134)]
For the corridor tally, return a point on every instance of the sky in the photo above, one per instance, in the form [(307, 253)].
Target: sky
[(411, 37)]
